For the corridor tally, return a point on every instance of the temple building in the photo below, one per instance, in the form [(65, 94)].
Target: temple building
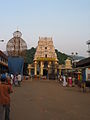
[(45, 59)]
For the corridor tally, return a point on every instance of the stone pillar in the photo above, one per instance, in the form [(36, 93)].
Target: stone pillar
[(29, 69), (68, 64), (41, 68), (35, 68), (56, 67), (49, 70)]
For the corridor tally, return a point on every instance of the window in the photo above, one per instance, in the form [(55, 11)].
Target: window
[(45, 47), (46, 56)]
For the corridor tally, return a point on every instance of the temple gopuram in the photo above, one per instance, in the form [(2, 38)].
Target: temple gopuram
[(45, 59)]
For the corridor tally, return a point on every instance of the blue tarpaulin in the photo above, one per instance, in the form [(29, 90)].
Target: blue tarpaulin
[(15, 65), (84, 74)]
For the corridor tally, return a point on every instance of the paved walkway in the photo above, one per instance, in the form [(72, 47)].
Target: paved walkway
[(47, 100)]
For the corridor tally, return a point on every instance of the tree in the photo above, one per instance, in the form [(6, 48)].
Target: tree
[(30, 55), (61, 57)]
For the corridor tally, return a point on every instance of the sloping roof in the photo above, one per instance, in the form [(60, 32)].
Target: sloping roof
[(83, 63), (3, 55)]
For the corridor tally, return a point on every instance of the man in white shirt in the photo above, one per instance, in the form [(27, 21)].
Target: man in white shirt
[(19, 79)]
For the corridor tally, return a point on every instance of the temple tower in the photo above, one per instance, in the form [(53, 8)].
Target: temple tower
[(45, 57)]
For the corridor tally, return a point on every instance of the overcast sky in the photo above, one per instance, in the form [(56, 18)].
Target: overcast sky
[(66, 21)]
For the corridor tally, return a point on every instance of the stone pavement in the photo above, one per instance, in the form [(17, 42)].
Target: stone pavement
[(47, 100)]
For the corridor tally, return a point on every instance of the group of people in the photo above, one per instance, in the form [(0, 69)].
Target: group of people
[(16, 79), (67, 81)]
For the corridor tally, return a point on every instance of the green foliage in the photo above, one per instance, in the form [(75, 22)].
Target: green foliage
[(61, 57), (30, 55), (31, 52)]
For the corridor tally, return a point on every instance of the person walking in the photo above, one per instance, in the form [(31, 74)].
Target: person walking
[(5, 90), (12, 77), (15, 80), (64, 81), (19, 77), (73, 81), (70, 81)]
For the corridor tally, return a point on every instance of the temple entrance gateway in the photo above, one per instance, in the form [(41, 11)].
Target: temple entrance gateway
[(44, 57)]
